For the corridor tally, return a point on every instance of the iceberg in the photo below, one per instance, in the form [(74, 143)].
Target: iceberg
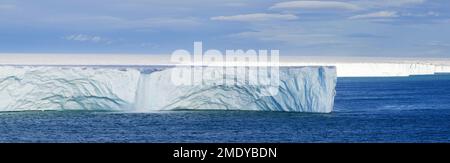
[(144, 89)]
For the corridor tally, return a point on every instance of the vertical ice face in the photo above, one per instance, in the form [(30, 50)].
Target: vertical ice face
[(65, 88), (300, 89)]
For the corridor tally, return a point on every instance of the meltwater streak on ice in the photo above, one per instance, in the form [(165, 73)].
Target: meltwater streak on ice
[(302, 89)]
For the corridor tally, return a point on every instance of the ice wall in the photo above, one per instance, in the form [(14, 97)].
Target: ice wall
[(301, 89), (65, 88)]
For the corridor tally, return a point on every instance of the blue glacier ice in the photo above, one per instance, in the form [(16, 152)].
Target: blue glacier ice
[(301, 89)]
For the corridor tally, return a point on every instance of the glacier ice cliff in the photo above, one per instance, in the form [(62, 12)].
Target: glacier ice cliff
[(301, 89), (65, 88)]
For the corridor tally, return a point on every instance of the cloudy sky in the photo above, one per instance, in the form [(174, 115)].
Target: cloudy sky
[(413, 28)]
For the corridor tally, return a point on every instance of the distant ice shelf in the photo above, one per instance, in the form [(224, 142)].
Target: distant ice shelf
[(301, 89), (346, 66), (383, 69)]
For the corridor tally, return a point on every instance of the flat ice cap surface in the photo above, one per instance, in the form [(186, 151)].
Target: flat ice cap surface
[(164, 59), (346, 66)]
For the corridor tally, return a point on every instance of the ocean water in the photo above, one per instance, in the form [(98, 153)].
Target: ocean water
[(401, 109)]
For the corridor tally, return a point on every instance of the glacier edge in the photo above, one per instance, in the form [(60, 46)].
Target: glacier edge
[(302, 89)]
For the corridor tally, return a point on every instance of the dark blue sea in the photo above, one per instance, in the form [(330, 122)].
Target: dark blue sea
[(401, 109)]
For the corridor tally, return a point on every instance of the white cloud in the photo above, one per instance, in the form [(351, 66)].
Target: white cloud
[(111, 22), (376, 15), (87, 38), (427, 14), (235, 4), (388, 3), (438, 44), (256, 17), (401, 2), (289, 34), (432, 13), (316, 5), (148, 45), (7, 7)]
